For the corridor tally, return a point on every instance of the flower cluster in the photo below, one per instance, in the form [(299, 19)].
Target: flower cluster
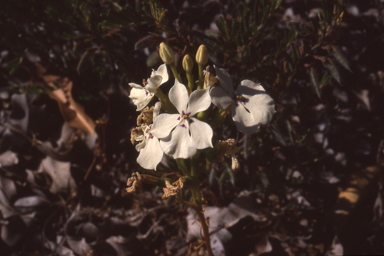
[(180, 134)]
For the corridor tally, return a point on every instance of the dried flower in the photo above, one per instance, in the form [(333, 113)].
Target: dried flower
[(209, 79), (172, 190), (136, 134), (133, 182), (228, 148)]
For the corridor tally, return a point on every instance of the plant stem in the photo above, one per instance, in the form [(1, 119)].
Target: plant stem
[(201, 77), (191, 83), (197, 200), (175, 73), (165, 102), (199, 211)]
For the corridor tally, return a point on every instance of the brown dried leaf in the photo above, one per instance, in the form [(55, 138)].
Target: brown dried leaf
[(73, 113)]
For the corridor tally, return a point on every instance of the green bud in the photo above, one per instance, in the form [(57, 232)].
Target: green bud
[(187, 63), (202, 55), (166, 54)]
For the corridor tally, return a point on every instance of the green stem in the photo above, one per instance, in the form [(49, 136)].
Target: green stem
[(175, 73), (165, 102), (191, 83), (181, 163), (219, 118), (201, 77)]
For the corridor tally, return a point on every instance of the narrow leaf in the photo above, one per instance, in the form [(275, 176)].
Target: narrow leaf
[(325, 79), (315, 81), (340, 57), (278, 135), (231, 175), (333, 69)]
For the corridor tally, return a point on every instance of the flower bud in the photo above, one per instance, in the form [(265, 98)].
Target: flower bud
[(187, 63), (202, 55), (166, 54)]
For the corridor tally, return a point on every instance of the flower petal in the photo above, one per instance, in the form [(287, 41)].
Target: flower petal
[(201, 133), (140, 146), (198, 101), (247, 89), (151, 155), (178, 95), (243, 119), (154, 82), (225, 80), (262, 108), (140, 97), (156, 109), (179, 143), (163, 124), (133, 85), (220, 97), (163, 72)]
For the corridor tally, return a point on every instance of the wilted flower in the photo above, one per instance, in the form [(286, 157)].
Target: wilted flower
[(251, 105), (172, 190), (209, 79), (181, 134), (140, 95), (228, 148), (148, 114), (133, 182)]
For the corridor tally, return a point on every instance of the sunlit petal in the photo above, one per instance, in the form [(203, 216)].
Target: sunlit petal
[(201, 133), (178, 95), (198, 101), (243, 119), (163, 124), (179, 144), (151, 155)]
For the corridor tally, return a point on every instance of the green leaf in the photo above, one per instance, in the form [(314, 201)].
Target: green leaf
[(83, 60), (210, 42), (265, 15), (340, 57), (264, 179), (220, 25), (153, 59), (147, 41), (211, 175), (278, 135), (231, 175), (315, 81), (330, 64), (221, 179), (325, 79), (14, 64)]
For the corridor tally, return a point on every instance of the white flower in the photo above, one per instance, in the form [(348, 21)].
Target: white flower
[(251, 105), (181, 134), (149, 147), (140, 95)]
